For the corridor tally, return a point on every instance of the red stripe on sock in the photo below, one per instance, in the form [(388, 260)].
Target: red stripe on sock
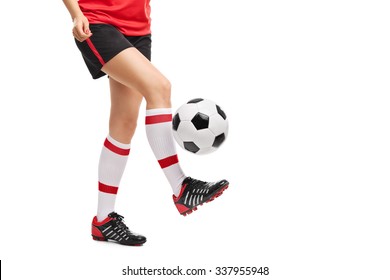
[(158, 119), (107, 189), (95, 51), (115, 149), (168, 161)]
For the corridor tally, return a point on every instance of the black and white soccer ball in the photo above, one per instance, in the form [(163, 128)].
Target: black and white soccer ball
[(200, 126)]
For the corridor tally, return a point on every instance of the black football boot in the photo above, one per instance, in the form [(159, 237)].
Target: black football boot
[(195, 192), (113, 228)]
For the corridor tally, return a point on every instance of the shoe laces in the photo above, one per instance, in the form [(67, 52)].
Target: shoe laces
[(198, 183), (118, 221)]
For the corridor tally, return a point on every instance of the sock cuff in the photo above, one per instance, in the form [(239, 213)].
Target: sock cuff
[(158, 116), (117, 143), (158, 111)]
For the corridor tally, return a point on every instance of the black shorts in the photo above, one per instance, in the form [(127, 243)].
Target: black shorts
[(105, 43)]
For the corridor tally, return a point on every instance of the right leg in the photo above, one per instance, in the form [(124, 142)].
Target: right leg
[(132, 69)]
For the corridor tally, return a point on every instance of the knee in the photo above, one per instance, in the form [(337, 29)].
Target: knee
[(165, 88), (161, 95), (126, 124), (123, 126)]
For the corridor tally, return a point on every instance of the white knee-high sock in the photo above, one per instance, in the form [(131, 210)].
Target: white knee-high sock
[(112, 163), (159, 133)]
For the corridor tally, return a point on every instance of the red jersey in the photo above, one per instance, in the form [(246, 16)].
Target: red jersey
[(131, 17)]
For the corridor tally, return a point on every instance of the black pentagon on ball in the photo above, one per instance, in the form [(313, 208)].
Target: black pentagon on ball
[(219, 140), (200, 121), (191, 146), (176, 122), (221, 112), (195, 100)]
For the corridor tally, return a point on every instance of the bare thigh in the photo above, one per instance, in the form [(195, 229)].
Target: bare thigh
[(125, 104), (133, 70)]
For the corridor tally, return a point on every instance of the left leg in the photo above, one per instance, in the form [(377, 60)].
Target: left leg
[(107, 224), (125, 103)]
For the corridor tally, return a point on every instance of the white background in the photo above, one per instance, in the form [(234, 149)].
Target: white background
[(305, 85)]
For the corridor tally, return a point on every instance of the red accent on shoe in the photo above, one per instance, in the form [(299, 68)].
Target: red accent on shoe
[(181, 208), (175, 199), (168, 161), (98, 238), (96, 233), (96, 223), (108, 189)]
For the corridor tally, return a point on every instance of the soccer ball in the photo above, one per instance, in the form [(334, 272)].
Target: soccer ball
[(200, 126)]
